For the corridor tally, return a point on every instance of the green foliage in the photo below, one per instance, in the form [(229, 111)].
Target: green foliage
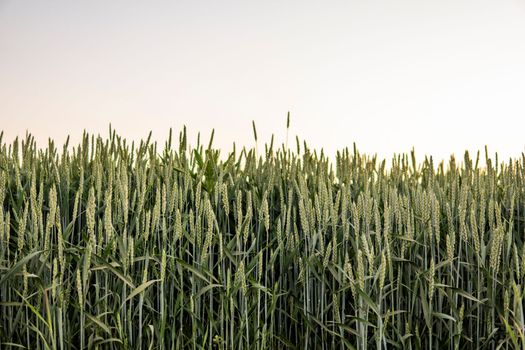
[(112, 245)]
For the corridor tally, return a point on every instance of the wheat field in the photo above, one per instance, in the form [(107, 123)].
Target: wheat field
[(116, 245)]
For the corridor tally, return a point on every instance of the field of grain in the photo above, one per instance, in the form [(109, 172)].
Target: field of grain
[(114, 245)]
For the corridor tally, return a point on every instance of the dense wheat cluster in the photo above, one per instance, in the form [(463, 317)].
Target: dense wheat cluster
[(111, 245)]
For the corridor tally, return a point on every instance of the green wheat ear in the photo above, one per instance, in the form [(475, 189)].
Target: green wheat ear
[(254, 130)]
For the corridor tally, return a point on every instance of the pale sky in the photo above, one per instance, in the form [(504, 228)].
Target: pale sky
[(441, 76)]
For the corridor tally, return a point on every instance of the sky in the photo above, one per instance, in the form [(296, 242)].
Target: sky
[(440, 76)]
